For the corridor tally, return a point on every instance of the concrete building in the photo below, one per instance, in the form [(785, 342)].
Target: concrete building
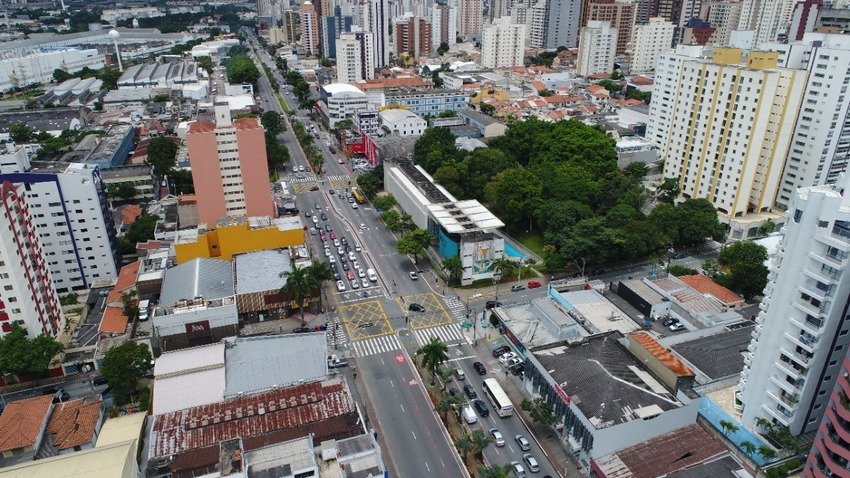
[(563, 23), (69, 207), (22, 68), (754, 131), (229, 167), (366, 120), (723, 15), (332, 27), (651, 39), (375, 18), (429, 102), (800, 339), (820, 148), (340, 101), (768, 19), (413, 34), (831, 447), (597, 49), (236, 235), (620, 14), (161, 74), (309, 28), (503, 44), (443, 25), (470, 19), (803, 19), (487, 126), (28, 296), (140, 176), (354, 57), (398, 122), (536, 25)]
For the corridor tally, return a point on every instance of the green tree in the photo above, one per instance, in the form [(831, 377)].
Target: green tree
[(709, 267), (464, 447), (124, 191), (668, 190), (487, 109), (298, 288), (242, 69), (516, 196), (370, 183), (768, 227), (414, 243), (123, 366), (678, 270), (540, 411), (319, 273), (391, 218), (205, 62), (767, 452), (454, 268), (61, 75), (272, 122), (432, 356), (21, 133), (728, 427), (443, 48), (610, 85), (109, 76), (27, 358), (745, 261), (748, 447), (384, 202), (130, 305), (182, 181), (436, 79), (479, 442), (142, 229), (504, 266), (162, 156), (494, 471), (435, 147)]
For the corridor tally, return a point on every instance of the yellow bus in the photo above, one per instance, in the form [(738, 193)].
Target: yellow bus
[(358, 196)]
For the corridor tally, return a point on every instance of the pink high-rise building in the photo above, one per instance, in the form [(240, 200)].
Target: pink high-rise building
[(229, 167), (830, 454)]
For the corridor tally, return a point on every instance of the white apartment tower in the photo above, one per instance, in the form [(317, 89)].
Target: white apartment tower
[(470, 19), (536, 21), (27, 297), (443, 25), (596, 49), (820, 148), (768, 19), (802, 332), (650, 40), (723, 15), (723, 128), (354, 57), (375, 18), (503, 44)]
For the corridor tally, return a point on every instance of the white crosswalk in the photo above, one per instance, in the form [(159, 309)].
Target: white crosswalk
[(456, 307), (340, 177), (367, 347), (446, 333), (307, 179)]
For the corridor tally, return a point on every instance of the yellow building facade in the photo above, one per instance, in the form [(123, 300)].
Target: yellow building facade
[(238, 235)]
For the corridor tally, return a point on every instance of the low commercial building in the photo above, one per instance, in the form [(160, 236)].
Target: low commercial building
[(645, 299), (235, 235), (162, 74), (51, 120), (191, 323), (428, 102), (19, 68), (594, 312), (140, 176), (716, 356), (399, 122), (540, 322), (487, 126), (112, 148), (340, 101), (258, 283)]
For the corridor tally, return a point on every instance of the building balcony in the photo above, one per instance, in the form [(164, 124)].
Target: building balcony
[(787, 369), (837, 435), (807, 307), (783, 385), (801, 322), (839, 454), (810, 287), (840, 407), (799, 358), (805, 342)]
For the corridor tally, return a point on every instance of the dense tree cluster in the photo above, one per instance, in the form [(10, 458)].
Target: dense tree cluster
[(242, 69), (563, 178), (24, 357), (108, 75)]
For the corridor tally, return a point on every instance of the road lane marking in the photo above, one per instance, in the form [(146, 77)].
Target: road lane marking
[(402, 410), (414, 435), (426, 466)]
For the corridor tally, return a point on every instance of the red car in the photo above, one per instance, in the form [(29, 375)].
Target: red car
[(333, 236), (323, 237), (350, 275), (533, 284)]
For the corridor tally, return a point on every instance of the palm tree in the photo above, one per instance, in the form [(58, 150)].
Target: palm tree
[(504, 266), (479, 442), (728, 427), (494, 471), (445, 374), (748, 447), (767, 452), (444, 405), (299, 286), (319, 272), (454, 268), (464, 447), (434, 354)]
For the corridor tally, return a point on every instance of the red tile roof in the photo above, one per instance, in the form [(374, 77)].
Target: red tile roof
[(114, 321), (393, 83), (246, 416), (149, 245), (537, 85), (73, 423), (663, 355), (704, 285), (127, 276), (600, 76), (641, 81), (130, 213), (22, 421), (595, 88)]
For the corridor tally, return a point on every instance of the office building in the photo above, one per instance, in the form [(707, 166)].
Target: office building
[(229, 168), (332, 28), (340, 101), (443, 25), (723, 15), (723, 138), (651, 39), (309, 28), (498, 9), (801, 335), (68, 205), (820, 148), (826, 457), (375, 18), (503, 44), (398, 122), (597, 49), (470, 21), (767, 19), (620, 14), (264, 8), (354, 59), (563, 23), (28, 297), (429, 102), (412, 35)]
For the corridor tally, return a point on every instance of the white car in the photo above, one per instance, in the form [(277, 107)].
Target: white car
[(327, 252), (355, 284), (354, 205), (355, 264), (518, 470), (364, 283), (301, 169), (504, 359), (357, 248), (332, 259), (351, 256), (336, 242), (341, 251), (340, 285), (361, 274)]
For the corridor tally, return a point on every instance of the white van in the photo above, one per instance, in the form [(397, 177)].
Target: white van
[(372, 276), (143, 309), (469, 415)]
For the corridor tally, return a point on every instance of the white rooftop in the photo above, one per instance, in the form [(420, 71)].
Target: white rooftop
[(599, 312), (335, 89), (189, 378), (395, 115), (260, 271), (473, 216)]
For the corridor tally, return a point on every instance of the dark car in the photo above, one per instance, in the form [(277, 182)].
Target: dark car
[(669, 322), (336, 274), (679, 255), (99, 381), (481, 408), (300, 330), (469, 390), (343, 240), (414, 307), (324, 217), (517, 369), (454, 392), (314, 188), (328, 228), (499, 351), (480, 368), (308, 213), (345, 266), (62, 396), (492, 303)]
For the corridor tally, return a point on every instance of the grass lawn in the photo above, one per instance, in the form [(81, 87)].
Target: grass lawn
[(532, 240)]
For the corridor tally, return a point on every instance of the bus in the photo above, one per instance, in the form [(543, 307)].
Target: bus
[(498, 398), (358, 196)]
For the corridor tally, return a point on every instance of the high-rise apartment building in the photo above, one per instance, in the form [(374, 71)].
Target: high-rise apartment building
[(332, 28), (412, 34), (723, 128), (28, 297), (309, 28), (820, 148), (800, 339), (563, 23), (497, 10), (354, 59), (767, 19), (264, 8), (651, 39), (68, 205), (375, 18), (470, 19), (536, 22), (229, 167), (723, 15), (596, 49), (619, 13), (831, 444), (804, 17), (502, 44), (443, 25)]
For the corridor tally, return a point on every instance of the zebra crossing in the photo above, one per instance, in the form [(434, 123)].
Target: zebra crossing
[(336, 333), (306, 179), (446, 333), (311, 178), (376, 345), (339, 177), (456, 308)]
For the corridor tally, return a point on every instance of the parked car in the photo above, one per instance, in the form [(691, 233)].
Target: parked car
[(676, 327), (533, 284), (337, 362), (364, 282), (300, 330), (454, 392), (507, 357), (517, 288), (517, 368), (99, 381), (340, 285), (499, 351), (480, 368), (314, 188), (679, 255), (670, 321)]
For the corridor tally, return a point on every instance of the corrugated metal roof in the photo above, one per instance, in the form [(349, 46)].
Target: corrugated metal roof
[(260, 270), (270, 360), (208, 278)]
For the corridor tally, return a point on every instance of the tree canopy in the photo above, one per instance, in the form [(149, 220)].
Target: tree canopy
[(24, 357), (745, 262), (123, 366), (162, 155), (242, 69)]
